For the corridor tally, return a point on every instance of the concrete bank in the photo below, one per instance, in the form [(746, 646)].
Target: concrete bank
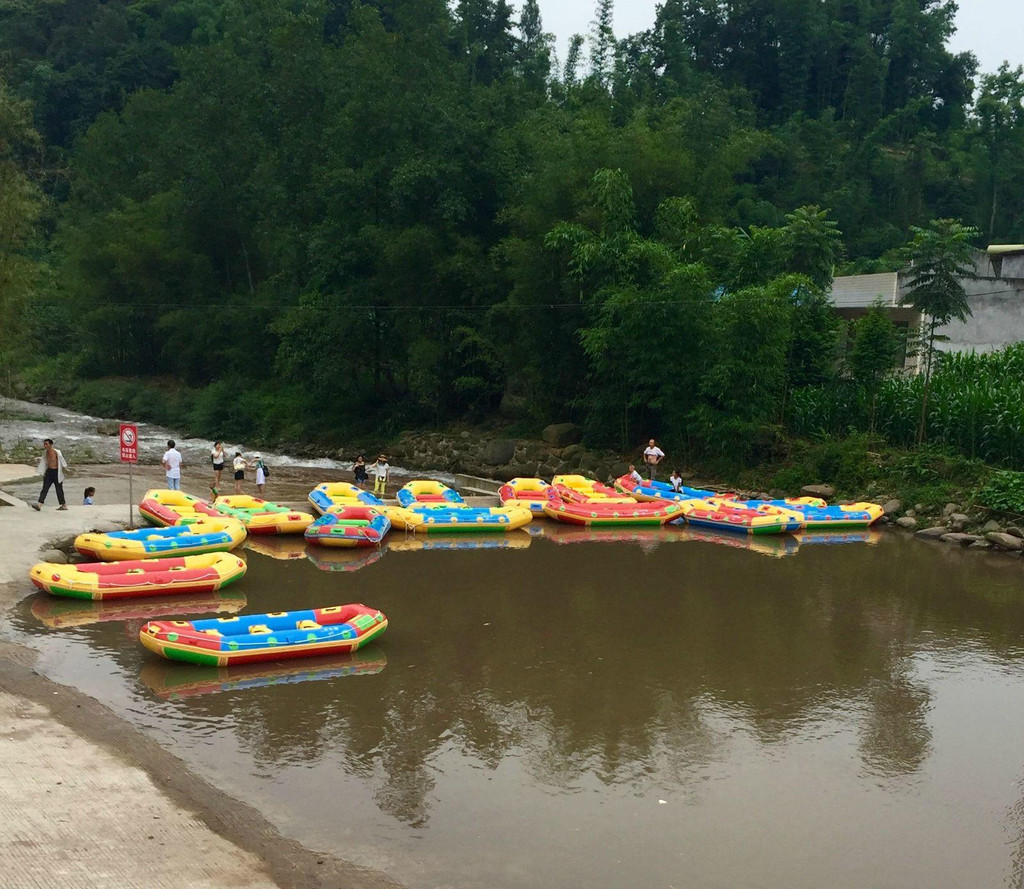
[(86, 800)]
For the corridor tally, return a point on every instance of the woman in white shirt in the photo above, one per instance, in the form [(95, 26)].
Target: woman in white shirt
[(217, 457), (238, 464)]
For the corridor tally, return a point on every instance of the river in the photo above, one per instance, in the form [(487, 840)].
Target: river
[(562, 708)]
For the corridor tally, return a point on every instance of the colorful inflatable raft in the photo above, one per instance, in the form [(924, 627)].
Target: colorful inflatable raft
[(532, 493), (648, 491), (218, 642), (580, 489), (165, 508), (206, 536), (148, 577), (426, 492), (260, 516), (325, 497), (820, 517), (349, 526), (459, 518), (726, 515), (601, 513)]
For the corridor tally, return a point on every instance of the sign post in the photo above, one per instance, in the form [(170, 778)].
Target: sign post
[(129, 438)]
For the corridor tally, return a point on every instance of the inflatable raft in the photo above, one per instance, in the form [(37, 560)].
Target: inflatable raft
[(165, 508), (323, 498), (349, 526), (260, 516), (459, 518), (601, 513), (426, 492), (277, 636), (148, 577), (818, 516), (727, 515), (648, 491), (532, 493), (580, 489), (206, 536)]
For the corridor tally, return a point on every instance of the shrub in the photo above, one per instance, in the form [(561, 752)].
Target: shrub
[(1004, 492)]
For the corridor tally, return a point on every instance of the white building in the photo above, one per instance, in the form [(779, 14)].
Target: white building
[(995, 296)]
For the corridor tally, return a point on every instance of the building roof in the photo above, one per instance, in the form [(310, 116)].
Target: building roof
[(863, 291)]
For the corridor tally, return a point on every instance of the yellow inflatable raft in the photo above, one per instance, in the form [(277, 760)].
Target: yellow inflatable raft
[(261, 516), (206, 536), (164, 507)]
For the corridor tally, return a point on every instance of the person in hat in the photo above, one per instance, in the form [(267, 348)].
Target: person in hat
[(261, 472), (381, 472)]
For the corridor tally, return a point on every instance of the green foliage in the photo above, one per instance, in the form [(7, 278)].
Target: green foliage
[(1003, 492)]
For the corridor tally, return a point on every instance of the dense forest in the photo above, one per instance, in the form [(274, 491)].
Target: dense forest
[(301, 219)]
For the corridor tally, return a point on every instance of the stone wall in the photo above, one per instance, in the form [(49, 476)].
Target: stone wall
[(501, 458)]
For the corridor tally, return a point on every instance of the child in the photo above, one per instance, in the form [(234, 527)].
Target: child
[(238, 464), (633, 474), (359, 470), (261, 472), (676, 480), (87, 497), (381, 471)]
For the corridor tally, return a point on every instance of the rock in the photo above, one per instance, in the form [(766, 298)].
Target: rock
[(823, 491), (910, 522), (498, 452), (620, 469), (516, 470), (891, 506), (918, 507), (108, 427), (573, 451), (546, 471), (589, 464), (1005, 541), (777, 494), (911, 513), (763, 495), (883, 520), (937, 531), (991, 525), (559, 435), (959, 539), (957, 521), (949, 509), (1014, 531), (980, 544), (53, 555)]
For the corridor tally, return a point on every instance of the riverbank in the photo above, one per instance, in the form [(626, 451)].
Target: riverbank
[(92, 802)]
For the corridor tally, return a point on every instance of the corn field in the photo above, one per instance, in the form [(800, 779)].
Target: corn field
[(976, 406)]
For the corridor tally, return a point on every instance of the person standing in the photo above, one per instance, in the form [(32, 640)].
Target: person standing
[(217, 457), (359, 471), (381, 472), (171, 461), (51, 467), (653, 455), (238, 464), (261, 472)]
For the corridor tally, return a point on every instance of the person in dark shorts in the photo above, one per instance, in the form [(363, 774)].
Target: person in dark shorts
[(239, 466), (359, 471), (218, 458), (51, 467)]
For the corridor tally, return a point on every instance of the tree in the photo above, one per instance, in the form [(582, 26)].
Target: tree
[(570, 73), (602, 42), (940, 261), (873, 355)]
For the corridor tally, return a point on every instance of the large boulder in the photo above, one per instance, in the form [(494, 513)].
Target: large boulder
[(991, 525), (937, 531), (891, 506), (909, 523), (558, 435), (498, 451), (957, 521), (823, 491), (1005, 541), (1014, 531), (959, 539)]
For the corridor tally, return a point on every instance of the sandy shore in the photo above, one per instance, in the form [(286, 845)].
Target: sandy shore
[(86, 799)]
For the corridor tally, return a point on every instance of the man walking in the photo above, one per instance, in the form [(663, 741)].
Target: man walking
[(171, 461), (653, 455), (51, 467)]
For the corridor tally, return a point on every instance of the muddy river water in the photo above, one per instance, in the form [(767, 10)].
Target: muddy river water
[(651, 709)]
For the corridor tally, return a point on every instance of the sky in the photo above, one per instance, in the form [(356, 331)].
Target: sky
[(992, 29)]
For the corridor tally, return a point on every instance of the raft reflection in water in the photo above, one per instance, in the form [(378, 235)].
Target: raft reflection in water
[(172, 682), (57, 613)]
